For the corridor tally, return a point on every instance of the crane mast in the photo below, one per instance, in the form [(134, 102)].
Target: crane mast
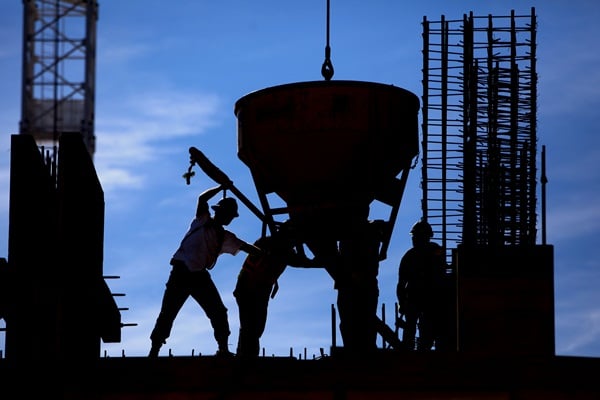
[(58, 77)]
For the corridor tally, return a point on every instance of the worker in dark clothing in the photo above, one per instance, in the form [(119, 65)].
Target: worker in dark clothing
[(357, 286), (257, 283), (205, 240), (420, 290)]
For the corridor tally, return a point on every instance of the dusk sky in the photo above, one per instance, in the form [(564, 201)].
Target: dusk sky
[(168, 76)]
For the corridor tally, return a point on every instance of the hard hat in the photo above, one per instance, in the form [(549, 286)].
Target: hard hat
[(422, 228), (227, 205)]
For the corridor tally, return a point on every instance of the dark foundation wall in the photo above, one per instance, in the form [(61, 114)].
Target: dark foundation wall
[(385, 376), (59, 306), (88, 312), (505, 300), (32, 300)]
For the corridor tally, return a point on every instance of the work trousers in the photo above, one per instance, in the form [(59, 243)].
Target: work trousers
[(183, 283), (426, 319), (253, 305)]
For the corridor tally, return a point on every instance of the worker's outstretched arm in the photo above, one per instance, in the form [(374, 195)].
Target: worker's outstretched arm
[(251, 249)]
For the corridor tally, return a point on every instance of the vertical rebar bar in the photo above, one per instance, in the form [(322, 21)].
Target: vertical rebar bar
[(444, 131), (425, 124)]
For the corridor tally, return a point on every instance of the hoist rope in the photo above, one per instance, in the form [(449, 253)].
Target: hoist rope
[(327, 67)]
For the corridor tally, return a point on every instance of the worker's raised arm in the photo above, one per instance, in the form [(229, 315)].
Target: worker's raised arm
[(210, 193)]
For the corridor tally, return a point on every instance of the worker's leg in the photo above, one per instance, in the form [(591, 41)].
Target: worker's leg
[(175, 294), (206, 294)]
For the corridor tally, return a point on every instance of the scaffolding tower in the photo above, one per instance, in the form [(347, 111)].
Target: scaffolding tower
[(479, 129), (58, 77)]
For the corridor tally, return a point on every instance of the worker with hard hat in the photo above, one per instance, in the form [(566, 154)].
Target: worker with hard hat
[(202, 244), (421, 277)]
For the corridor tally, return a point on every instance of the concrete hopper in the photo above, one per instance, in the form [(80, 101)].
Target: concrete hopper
[(327, 145)]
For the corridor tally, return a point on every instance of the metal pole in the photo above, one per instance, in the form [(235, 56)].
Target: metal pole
[(544, 180)]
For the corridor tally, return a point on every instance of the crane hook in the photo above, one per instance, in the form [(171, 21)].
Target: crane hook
[(327, 67)]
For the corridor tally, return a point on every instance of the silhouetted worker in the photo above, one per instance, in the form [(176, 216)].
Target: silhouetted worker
[(346, 243), (357, 286), (205, 240), (421, 288), (257, 283)]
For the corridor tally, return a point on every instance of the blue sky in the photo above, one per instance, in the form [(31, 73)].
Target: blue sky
[(168, 77)]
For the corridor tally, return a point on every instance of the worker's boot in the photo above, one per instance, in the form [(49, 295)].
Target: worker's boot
[(224, 353), (224, 349)]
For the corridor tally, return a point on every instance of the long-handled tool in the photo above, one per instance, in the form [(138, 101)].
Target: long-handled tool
[(213, 172)]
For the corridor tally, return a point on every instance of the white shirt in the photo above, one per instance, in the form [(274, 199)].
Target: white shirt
[(199, 247)]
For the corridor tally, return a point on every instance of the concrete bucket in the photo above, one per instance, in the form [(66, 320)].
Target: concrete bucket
[(327, 148)]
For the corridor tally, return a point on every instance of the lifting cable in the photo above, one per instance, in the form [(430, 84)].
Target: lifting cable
[(327, 67)]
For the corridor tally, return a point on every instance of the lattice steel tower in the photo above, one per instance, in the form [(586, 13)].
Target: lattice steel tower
[(479, 129), (58, 88)]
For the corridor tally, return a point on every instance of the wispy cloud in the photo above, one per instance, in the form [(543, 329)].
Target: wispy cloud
[(581, 331), (136, 130), (581, 167), (569, 56), (572, 210), (573, 220), (122, 53)]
